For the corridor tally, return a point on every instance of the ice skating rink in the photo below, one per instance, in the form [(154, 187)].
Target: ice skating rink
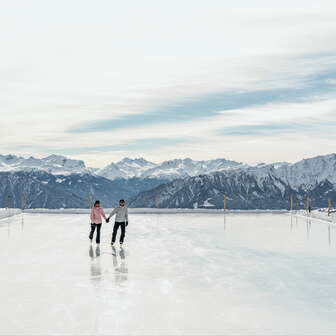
[(259, 274)]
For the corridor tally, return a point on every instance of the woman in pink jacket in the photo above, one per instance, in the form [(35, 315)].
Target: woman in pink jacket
[(96, 221)]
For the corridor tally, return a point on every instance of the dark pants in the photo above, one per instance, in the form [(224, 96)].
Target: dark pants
[(115, 230), (93, 227)]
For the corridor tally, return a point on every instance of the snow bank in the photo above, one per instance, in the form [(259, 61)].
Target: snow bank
[(4, 213), (155, 211), (321, 214)]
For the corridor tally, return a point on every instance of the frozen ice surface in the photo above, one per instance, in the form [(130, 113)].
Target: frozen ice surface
[(255, 274)]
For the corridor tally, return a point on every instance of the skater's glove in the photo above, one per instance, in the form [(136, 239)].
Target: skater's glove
[(107, 219), (126, 223)]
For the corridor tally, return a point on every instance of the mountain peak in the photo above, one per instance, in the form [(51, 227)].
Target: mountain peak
[(139, 160), (53, 157), (125, 168)]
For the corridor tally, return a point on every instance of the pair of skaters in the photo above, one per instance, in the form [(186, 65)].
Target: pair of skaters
[(121, 220)]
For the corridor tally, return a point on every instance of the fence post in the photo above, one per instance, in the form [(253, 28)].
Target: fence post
[(157, 201), (24, 201), (90, 200), (307, 204), (8, 201)]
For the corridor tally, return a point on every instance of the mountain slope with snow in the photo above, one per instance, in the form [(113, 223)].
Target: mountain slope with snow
[(244, 191), (39, 189), (309, 172), (182, 168), (304, 174), (265, 186)]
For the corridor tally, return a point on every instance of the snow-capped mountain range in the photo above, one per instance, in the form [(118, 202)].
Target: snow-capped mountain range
[(176, 183), (170, 170), (53, 164), (126, 168), (305, 173)]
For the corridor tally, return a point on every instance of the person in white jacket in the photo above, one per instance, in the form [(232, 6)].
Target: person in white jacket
[(121, 220)]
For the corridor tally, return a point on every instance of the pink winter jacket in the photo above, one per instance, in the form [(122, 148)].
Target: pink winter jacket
[(96, 215)]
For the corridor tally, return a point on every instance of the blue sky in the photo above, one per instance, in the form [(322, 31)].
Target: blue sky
[(241, 80)]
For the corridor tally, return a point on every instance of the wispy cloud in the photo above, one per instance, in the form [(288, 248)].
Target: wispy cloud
[(276, 128), (310, 87), (126, 146)]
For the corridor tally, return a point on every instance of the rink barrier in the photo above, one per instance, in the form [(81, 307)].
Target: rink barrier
[(5, 213), (317, 214), (156, 211)]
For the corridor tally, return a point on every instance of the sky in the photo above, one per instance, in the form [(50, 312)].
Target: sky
[(251, 81)]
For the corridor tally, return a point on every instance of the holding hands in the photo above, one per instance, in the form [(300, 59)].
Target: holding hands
[(107, 220)]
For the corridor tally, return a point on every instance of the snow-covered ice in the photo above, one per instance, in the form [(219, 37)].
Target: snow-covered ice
[(191, 274)]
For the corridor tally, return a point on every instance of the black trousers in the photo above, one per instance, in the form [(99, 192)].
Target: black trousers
[(115, 231), (93, 227)]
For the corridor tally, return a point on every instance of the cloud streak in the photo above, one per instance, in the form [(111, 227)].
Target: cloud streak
[(203, 107)]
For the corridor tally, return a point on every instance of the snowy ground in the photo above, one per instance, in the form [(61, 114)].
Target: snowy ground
[(321, 214), (5, 212), (255, 274)]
